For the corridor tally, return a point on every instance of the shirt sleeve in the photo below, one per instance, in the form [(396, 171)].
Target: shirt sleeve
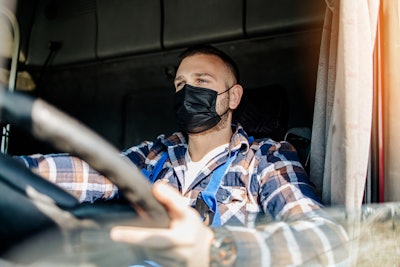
[(300, 232), (73, 175), (77, 177), (285, 189), (316, 241)]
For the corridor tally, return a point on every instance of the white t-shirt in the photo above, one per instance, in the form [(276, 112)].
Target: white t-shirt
[(193, 168)]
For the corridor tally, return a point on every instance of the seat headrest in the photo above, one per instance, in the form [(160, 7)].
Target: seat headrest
[(263, 112)]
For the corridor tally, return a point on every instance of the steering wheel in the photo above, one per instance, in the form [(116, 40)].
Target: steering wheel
[(22, 190)]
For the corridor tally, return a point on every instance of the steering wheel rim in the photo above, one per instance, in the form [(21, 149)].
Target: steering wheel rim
[(48, 123)]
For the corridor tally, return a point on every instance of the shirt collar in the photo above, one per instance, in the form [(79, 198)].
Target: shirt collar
[(177, 138), (239, 140)]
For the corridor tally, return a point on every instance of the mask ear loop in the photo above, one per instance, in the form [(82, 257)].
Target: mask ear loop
[(224, 93), (227, 90)]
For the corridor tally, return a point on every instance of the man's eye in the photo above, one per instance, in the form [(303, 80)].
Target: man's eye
[(201, 81)]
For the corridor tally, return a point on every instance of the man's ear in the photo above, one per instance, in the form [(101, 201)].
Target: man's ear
[(235, 95)]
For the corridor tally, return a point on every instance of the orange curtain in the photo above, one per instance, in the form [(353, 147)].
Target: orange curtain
[(390, 77)]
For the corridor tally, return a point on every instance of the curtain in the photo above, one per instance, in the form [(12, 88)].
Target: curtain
[(343, 102), (390, 63)]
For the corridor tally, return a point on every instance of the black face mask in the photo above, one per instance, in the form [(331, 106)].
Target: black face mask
[(195, 108)]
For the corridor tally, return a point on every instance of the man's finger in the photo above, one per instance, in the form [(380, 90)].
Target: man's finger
[(171, 199)]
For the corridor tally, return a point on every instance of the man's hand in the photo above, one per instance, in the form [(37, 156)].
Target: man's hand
[(185, 243)]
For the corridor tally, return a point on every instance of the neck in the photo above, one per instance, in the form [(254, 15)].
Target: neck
[(200, 144)]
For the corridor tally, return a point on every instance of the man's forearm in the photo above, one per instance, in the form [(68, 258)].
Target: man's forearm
[(316, 241), (72, 174)]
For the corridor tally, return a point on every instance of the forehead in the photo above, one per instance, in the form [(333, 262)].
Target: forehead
[(202, 63)]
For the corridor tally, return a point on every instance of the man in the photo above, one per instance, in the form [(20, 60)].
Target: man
[(228, 178)]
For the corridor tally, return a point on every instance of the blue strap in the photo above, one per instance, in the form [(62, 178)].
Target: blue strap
[(209, 193), (157, 168), (250, 139)]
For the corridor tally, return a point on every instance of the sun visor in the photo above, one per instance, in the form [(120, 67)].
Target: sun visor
[(279, 16), (63, 32), (129, 27), (208, 21)]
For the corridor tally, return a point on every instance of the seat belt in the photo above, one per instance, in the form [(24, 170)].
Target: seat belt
[(157, 168), (208, 195)]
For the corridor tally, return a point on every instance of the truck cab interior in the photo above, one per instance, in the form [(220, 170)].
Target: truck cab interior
[(111, 64)]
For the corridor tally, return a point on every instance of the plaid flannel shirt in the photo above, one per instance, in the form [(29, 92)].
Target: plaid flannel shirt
[(265, 186)]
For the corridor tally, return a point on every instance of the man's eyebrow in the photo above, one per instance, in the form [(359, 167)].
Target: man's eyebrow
[(202, 74), (197, 75), (179, 78)]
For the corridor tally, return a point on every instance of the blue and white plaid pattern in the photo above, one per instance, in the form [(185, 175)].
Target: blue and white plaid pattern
[(265, 182)]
